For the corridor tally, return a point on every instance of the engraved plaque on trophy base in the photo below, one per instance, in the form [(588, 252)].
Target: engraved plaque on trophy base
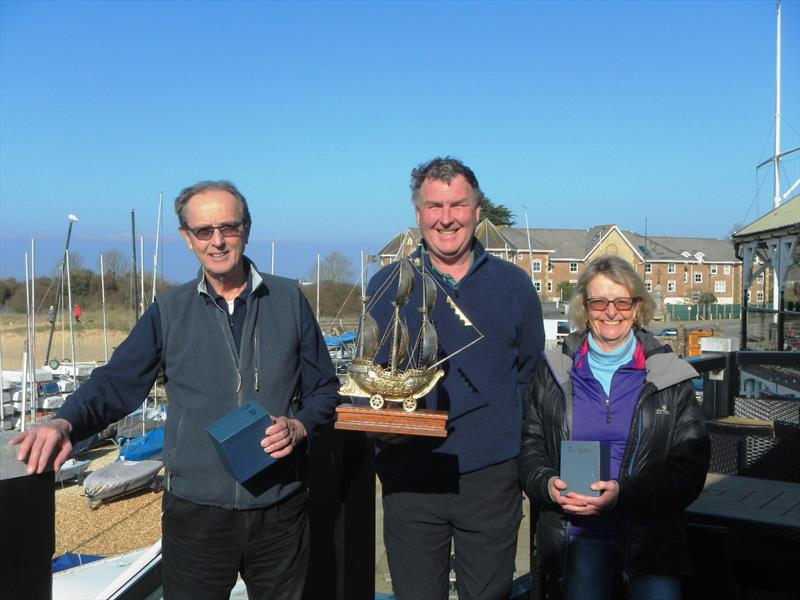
[(432, 423)]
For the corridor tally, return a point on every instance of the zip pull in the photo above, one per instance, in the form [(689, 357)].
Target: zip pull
[(608, 410), (238, 381), (255, 354)]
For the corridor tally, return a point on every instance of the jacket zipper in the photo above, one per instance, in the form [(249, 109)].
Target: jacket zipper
[(238, 389), (644, 394)]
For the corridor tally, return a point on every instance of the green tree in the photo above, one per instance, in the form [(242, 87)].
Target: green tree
[(566, 289), (707, 298), (496, 213)]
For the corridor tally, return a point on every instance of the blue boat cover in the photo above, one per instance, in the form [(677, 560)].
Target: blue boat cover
[(338, 340), (145, 446), (68, 561)]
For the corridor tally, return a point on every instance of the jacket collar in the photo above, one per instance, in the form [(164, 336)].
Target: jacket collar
[(479, 256), (254, 279), (663, 367)]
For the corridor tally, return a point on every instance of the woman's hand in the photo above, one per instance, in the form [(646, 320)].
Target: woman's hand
[(579, 504)]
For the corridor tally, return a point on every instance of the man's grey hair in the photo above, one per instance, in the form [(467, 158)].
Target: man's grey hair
[(443, 169), (619, 271), (206, 186)]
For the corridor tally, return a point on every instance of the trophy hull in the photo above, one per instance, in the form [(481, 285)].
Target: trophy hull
[(367, 379)]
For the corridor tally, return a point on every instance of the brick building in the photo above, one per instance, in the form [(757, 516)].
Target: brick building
[(676, 270)]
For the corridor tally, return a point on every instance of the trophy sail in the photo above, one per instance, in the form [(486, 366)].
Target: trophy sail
[(405, 283), (368, 337), (430, 343), (428, 293)]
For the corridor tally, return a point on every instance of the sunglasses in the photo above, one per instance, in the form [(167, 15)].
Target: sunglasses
[(228, 230), (620, 304)]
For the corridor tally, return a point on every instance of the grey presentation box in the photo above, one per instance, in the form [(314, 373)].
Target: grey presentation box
[(237, 437), (583, 463)]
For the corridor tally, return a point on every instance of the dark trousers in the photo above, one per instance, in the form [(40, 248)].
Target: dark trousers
[(204, 548), (480, 512)]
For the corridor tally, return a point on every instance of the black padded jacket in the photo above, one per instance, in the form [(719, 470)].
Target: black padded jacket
[(663, 469)]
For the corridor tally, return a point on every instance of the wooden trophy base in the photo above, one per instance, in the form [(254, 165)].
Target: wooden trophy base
[(432, 423)]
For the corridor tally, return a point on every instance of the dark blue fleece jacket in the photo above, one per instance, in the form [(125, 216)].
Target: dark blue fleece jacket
[(483, 386)]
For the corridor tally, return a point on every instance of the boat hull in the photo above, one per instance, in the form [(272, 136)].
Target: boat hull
[(367, 379)]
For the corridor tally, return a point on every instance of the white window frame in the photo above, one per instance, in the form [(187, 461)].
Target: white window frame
[(685, 277), (759, 296), (648, 268), (648, 285), (698, 277), (749, 296), (713, 269), (573, 267), (671, 268), (537, 265), (549, 286), (672, 286), (720, 287), (760, 278), (726, 269), (538, 285)]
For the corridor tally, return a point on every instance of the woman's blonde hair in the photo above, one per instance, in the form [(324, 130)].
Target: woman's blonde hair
[(619, 271)]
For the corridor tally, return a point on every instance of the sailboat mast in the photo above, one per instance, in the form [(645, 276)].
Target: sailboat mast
[(29, 336), (71, 329), (33, 304), (103, 305), (158, 239), (776, 195), (72, 219), (141, 257), (134, 275)]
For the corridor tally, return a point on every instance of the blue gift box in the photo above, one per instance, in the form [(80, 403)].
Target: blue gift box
[(237, 437), (583, 463)]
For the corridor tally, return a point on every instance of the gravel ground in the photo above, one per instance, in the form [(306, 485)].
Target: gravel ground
[(113, 527), (121, 525)]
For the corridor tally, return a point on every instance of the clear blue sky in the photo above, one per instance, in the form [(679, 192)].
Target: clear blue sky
[(584, 112)]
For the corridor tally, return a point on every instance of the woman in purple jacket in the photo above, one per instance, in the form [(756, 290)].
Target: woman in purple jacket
[(613, 382)]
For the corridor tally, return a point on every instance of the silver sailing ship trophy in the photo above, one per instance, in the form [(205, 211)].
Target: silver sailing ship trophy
[(412, 369)]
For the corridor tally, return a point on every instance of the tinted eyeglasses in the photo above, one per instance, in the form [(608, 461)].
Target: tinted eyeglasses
[(226, 229), (621, 304)]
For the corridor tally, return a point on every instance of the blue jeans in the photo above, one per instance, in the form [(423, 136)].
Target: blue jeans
[(592, 568)]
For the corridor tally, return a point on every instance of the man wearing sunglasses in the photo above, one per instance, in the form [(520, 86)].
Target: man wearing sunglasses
[(231, 336)]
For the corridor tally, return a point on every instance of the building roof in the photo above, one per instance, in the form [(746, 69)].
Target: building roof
[(663, 248), (577, 244), (393, 247), (785, 217)]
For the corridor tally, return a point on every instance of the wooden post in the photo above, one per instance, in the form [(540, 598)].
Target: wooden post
[(342, 513), (29, 520)]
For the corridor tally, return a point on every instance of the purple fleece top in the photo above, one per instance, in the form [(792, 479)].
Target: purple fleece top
[(594, 419)]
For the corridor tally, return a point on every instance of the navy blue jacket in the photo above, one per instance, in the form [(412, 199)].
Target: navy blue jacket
[(483, 386)]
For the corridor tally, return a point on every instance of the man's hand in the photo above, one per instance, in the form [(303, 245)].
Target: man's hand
[(41, 442), (282, 437), (589, 506)]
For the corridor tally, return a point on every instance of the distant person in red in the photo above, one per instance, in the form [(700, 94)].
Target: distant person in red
[(76, 312)]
